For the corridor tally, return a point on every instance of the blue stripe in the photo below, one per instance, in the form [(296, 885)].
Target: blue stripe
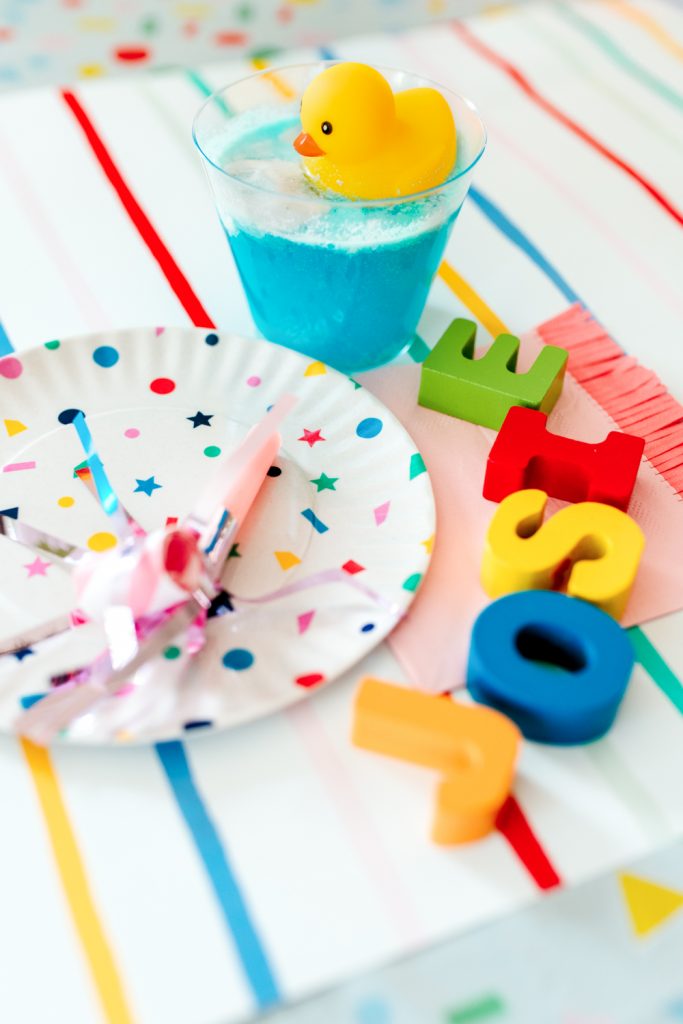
[(241, 928), (6, 345), (518, 238)]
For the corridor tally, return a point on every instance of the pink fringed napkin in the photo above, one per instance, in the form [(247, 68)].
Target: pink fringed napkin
[(604, 390)]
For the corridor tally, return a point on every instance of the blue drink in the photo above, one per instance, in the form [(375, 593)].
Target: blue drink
[(343, 281), (352, 309)]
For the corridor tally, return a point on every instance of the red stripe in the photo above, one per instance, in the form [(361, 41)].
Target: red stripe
[(512, 824), (187, 297), (525, 85)]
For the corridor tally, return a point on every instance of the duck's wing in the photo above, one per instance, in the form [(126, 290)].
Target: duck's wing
[(426, 136)]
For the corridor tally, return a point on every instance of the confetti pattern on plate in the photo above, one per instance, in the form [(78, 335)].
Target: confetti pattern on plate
[(162, 405), (46, 41)]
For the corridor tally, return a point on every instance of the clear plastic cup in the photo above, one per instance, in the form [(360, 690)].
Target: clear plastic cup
[(342, 280)]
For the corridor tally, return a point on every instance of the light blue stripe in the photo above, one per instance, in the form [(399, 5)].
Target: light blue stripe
[(6, 345), (259, 972), (205, 89), (105, 491)]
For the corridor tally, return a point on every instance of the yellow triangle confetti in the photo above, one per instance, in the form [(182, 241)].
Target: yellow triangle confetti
[(287, 559), (14, 427), (428, 544), (315, 370), (649, 904)]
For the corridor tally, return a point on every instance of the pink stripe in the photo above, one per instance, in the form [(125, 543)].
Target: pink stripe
[(371, 852), (12, 467), (620, 244), (36, 213)]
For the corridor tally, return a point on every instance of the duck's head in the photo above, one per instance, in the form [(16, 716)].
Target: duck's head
[(347, 113)]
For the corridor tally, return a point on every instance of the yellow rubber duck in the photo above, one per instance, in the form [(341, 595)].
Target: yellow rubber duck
[(363, 141)]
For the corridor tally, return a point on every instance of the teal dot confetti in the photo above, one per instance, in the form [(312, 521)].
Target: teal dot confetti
[(149, 25), (211, 451), (106, 355), (413, 582), (171, 653), (238, 659), (52, 345), (369, 427)]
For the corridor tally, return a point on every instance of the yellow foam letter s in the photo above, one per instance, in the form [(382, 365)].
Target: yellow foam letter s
[(601, 547)]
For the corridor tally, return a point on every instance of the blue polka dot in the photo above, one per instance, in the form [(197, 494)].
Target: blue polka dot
[(238, 659), (211, 339), (368, 627), (369, 427), (373, 1010), (105, 355), (67, 416)]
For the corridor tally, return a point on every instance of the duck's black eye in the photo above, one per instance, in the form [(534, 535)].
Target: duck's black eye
[(326, 128)]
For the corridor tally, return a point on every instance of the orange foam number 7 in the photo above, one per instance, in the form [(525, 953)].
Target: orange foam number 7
[(474, 749)]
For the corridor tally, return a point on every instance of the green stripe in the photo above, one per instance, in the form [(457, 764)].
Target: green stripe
[(489, 1006), (419, 350), (655, 666), (205, 89), (559, 42), (619, 56)]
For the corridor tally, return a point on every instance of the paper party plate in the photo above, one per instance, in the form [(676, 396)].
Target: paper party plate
[(347, 493)]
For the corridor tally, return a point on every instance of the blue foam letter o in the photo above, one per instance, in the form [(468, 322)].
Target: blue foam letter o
[(518, 644)]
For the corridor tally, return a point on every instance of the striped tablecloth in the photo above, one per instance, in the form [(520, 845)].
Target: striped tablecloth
[(205, 882)]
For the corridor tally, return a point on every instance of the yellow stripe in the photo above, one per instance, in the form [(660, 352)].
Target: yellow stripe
[(277, 80), (649, 25), (474, 302), (73, 877)]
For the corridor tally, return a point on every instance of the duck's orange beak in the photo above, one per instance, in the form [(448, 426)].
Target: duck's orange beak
[(307, 146)]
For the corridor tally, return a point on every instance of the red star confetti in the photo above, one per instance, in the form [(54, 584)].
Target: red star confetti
[(311, 437)]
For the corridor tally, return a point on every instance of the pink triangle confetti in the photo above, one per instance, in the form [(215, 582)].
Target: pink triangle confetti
[(304, 621), (159, 330), (381, 512)]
